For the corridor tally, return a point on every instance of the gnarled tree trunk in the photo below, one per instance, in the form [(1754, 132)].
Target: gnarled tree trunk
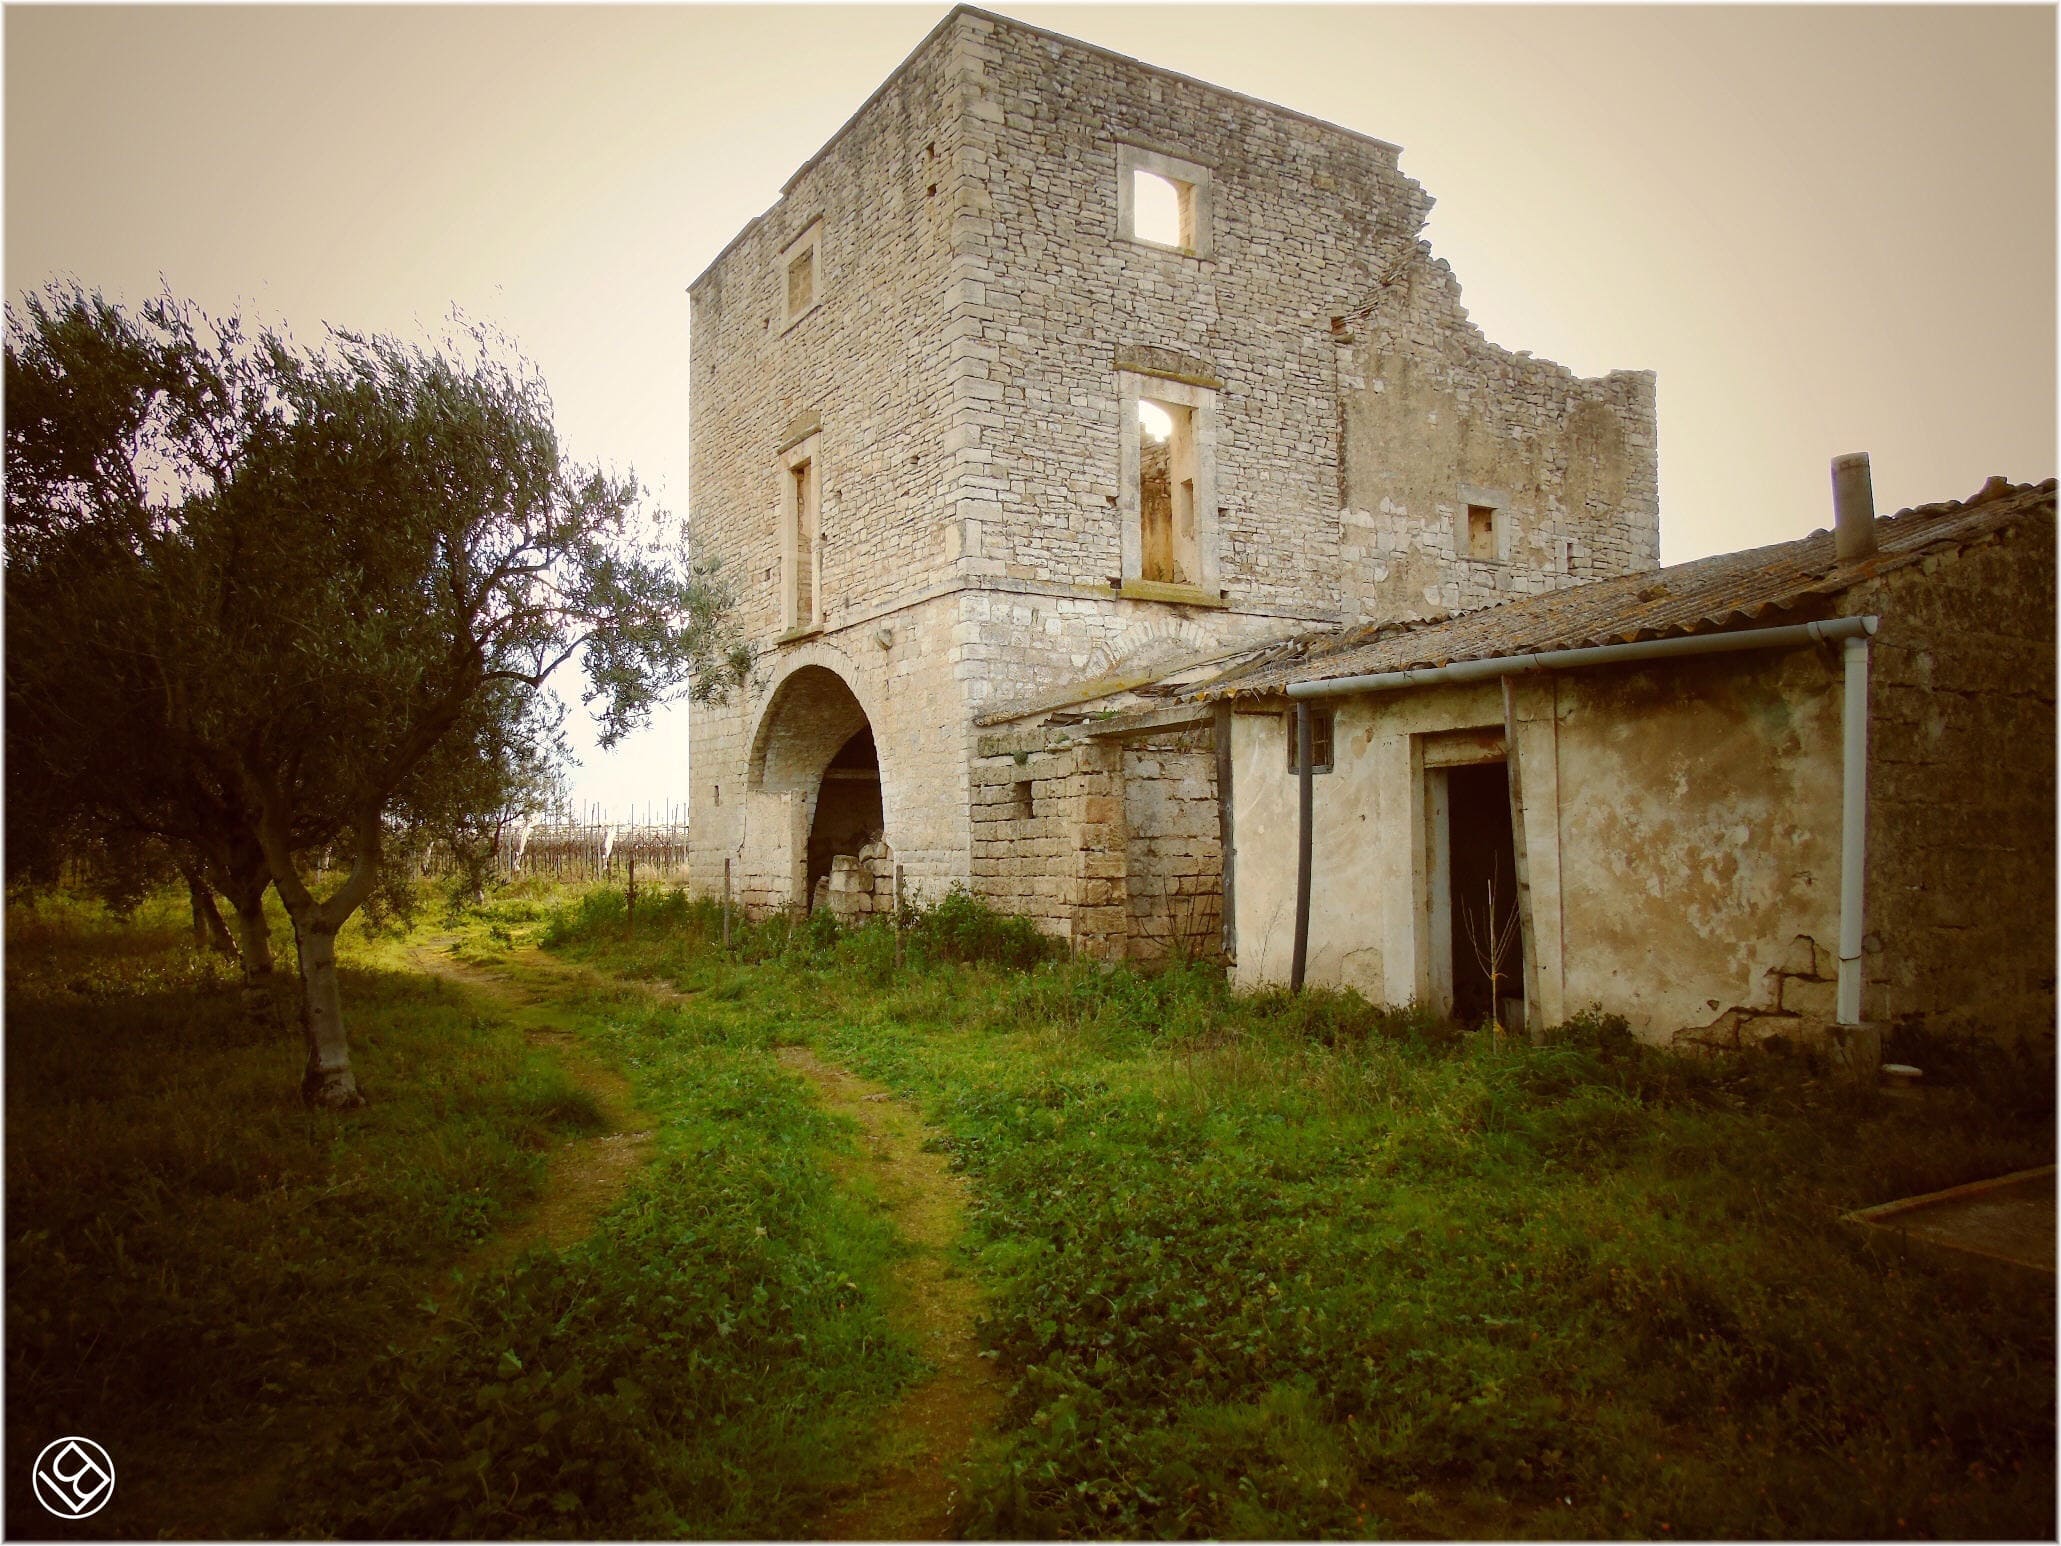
[(328, 1080), (253, 933)]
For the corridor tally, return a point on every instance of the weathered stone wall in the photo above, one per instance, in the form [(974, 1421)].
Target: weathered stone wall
[(1960, 909), (1304, 217), (1437, 417), (747, 806), (1112, 846), (1681, 827), (979, 324), (1175, 851), (867, 371), (869, 367), (1049, 837)]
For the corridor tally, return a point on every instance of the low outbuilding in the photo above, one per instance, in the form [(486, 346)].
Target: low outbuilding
[(1650, 794)]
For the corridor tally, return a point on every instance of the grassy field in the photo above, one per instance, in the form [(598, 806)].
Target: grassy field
[(1253, 1266)]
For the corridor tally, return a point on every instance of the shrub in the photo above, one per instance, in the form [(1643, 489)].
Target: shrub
[(965, 929)]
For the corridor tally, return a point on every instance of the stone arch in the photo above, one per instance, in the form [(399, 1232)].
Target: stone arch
[(814, 750), (1165, 641)]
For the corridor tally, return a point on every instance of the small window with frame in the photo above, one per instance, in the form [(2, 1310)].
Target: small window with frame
[(1481, 526), (1163, 201), (801, 275), (1323, 724)]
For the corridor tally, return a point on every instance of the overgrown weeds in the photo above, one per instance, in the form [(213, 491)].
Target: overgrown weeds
[(1255, 1264), (1274, 1265)]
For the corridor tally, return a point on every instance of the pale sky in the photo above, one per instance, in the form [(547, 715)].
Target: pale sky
[(1828, 229)]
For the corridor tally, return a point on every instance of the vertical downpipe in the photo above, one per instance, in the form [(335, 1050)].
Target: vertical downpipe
[(1227, 835), (1853, 834), (1304, 793), (1853, 537)]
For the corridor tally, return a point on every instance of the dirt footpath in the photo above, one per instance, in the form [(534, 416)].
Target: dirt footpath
[(914, 1495)]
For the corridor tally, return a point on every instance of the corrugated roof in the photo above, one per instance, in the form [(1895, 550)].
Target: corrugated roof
[(1789, 581)]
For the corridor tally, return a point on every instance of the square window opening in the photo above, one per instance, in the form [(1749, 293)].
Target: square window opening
[(1162, 210), (1322, 725), (1481, 532), (1163, 201), (1166, 494)]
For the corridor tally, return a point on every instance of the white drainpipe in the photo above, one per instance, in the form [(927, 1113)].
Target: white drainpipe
[(1853, 631), (1853, 828)]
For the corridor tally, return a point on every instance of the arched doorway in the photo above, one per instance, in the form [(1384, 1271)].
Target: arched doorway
[(848, 811), (814, 750)]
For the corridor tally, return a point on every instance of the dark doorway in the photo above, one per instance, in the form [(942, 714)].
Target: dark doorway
[(1484, 863), (848, 810)]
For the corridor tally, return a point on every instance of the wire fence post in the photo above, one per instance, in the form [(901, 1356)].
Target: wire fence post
[(726, 903)]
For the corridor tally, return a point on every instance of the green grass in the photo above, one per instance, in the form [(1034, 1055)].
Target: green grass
[(710, 1363), (1256, 1265), (1263, 1266), (191, 1253), (208, 1278)]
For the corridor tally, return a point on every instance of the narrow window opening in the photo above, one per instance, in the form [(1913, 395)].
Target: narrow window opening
[(1166, 493), (1481, 531), (1321, 726), (1162, 210), (804, 543), (801, 282)]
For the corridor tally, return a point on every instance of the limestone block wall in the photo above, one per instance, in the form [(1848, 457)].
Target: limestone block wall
[(1438, 418), (1114, 847), (906, 691), (1960, 908), (1020, 644), (1304, 217), (1049, 839), (865, 368), (1175, 857)]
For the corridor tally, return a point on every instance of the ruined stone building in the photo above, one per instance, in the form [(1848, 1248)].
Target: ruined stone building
[(1055, 382)]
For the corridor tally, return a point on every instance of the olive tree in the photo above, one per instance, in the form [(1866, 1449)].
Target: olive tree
[(100, 446), (345, 562)]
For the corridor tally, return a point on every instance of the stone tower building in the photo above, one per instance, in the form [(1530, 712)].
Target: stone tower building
[(1053, 375)]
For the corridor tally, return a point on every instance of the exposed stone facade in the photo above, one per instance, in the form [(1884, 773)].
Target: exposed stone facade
[(917, 443), (1961, 784), (1438, 419), (1112, 844)]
